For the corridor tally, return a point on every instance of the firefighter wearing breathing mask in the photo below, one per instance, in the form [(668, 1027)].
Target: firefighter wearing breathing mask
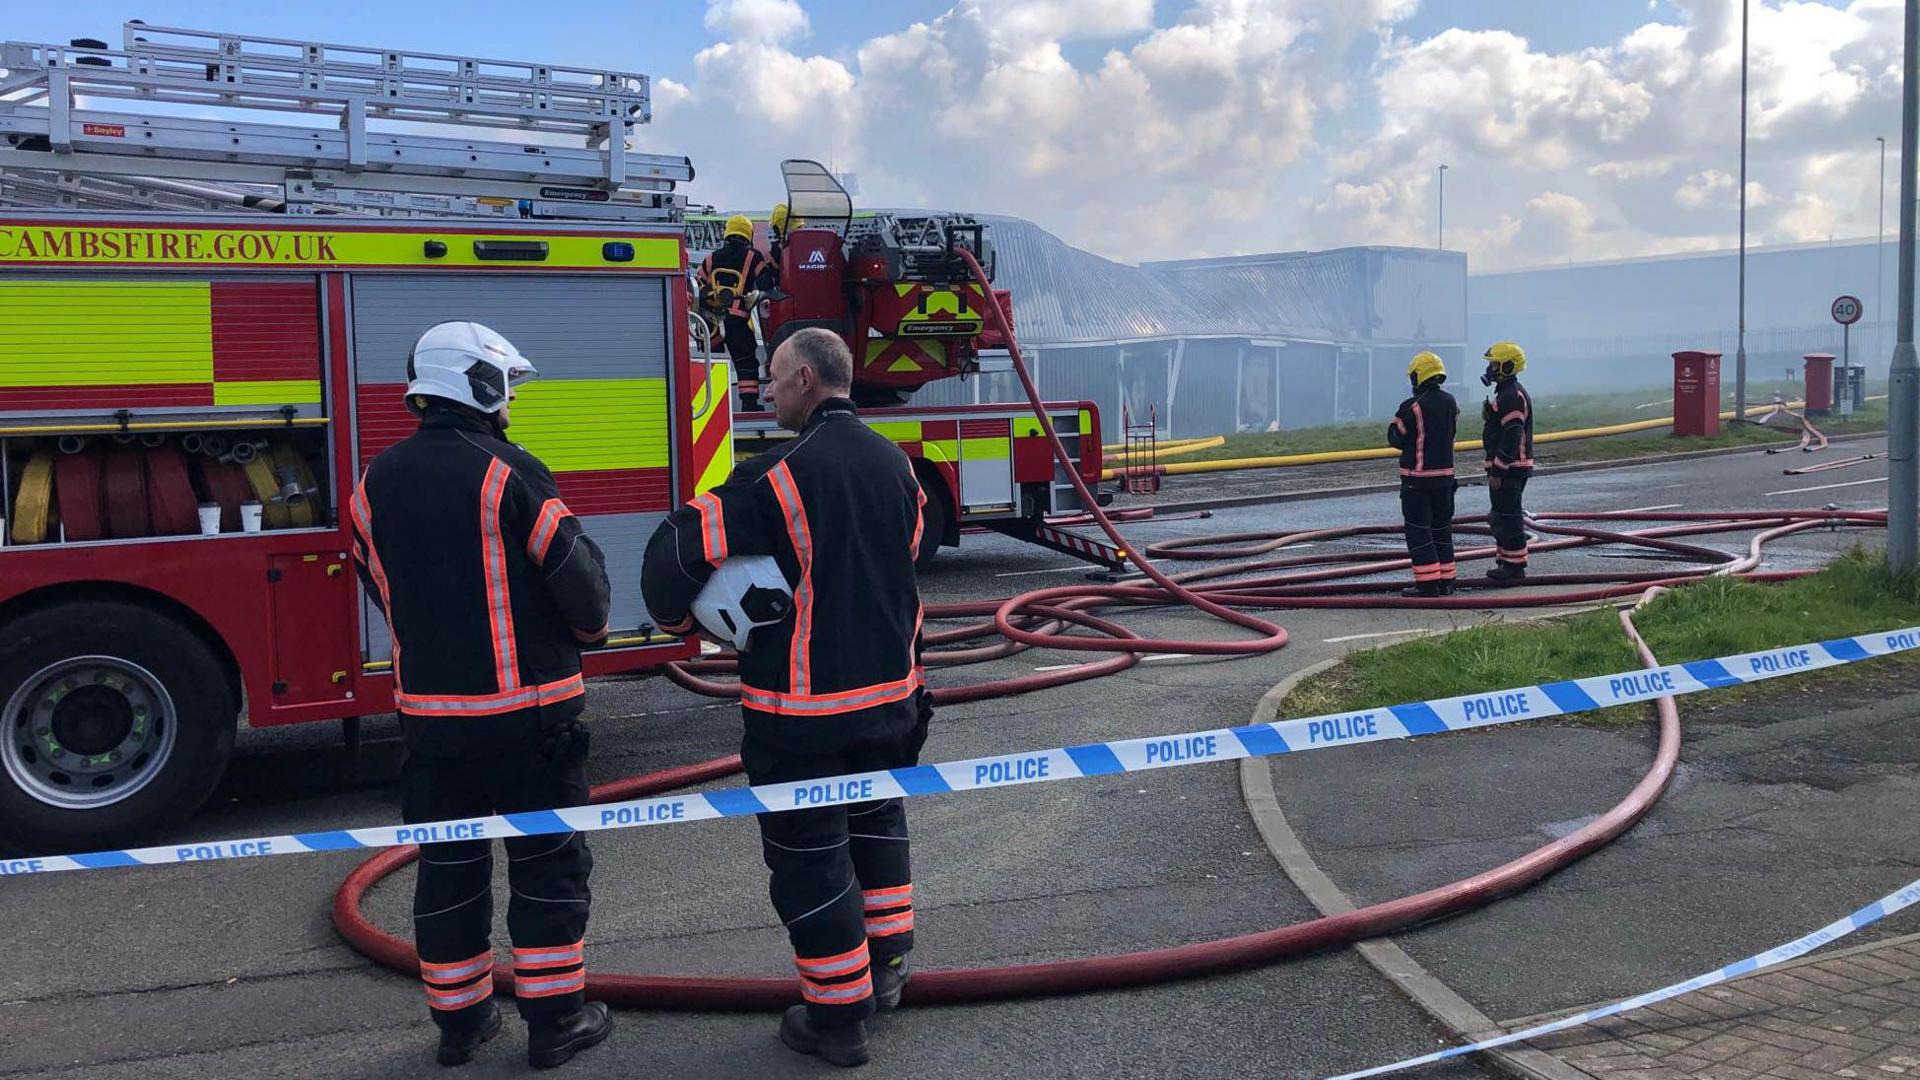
[(1422, 430), (1506, 435), (727, 276)]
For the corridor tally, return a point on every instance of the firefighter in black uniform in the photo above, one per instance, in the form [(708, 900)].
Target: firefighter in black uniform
[(1507, 437), (1422, 430), (727, 275), (836, 688), (490, 588)]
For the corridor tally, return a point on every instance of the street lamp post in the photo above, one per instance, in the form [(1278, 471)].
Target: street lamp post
[(1441, 240), (1880, 256), (1740, 353), (1903, 403)]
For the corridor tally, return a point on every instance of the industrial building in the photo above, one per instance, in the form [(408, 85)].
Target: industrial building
[(1617, 323), (1208, 346)]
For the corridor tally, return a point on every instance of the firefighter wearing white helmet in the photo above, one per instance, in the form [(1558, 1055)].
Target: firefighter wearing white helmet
[(469, 365), (490, 589), (1422, 430), (727, 279), (1506, 435)]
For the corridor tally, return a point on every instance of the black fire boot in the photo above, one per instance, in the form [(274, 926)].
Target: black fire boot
[(555, 1042), (1507, 573), (889, 978), (1447, 587), (845, 1046), (1422, 589), (457, 1047)]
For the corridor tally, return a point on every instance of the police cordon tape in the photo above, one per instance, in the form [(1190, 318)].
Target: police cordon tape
[(1462, 713), (1898, 900)]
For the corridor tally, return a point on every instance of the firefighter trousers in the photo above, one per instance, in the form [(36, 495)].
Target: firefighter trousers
[(744, 350), (1508, 519), (842, 879), (1426, 506), (453, 895)]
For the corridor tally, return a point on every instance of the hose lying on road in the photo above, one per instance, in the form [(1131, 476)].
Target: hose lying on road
[(1047, 618), (1281, 461)]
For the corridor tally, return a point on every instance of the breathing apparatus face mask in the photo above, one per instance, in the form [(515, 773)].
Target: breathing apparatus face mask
[(1491, 375)]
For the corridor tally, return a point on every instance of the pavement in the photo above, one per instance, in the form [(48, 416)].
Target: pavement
[(233, 969)]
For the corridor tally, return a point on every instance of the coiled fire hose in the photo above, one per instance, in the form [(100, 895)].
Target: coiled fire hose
[(1042, 618)]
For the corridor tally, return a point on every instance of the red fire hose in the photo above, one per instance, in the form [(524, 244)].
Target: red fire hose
[(1044, 619)]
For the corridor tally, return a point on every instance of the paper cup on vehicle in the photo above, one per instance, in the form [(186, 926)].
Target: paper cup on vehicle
[(209, 519), (250, 517)]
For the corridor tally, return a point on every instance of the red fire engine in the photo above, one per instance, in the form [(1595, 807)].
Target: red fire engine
[(203, 333)]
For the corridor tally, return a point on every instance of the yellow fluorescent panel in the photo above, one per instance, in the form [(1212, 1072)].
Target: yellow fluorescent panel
[(581, 425), (270, 392), (63, 333)]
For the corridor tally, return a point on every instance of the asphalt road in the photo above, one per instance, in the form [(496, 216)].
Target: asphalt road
[(233, 969)]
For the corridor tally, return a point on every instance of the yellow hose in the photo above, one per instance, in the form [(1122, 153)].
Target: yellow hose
[(1184, 446), (1167, 445), (1282, 461)]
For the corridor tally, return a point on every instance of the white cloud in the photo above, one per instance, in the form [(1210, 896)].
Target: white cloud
[(1248, 125), (757, 20)]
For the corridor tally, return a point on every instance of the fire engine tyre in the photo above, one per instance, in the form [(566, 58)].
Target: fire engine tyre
[(118, 723), (933, 522)]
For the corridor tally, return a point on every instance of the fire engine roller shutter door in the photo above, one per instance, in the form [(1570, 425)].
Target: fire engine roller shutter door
[(159, 345), (597, 415)]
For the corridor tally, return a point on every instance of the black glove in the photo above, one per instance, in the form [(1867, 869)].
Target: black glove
[(564, 741)]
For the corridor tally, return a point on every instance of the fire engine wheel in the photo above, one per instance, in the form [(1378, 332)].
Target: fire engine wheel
[(118, 722)]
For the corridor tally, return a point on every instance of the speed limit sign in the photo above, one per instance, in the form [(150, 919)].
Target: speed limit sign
[(1846, 310)]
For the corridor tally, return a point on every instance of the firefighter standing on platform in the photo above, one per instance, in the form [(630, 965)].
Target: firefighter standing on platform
[(1507, 437), (1422, 430), (726, 277), (835, 688), (489, 588)]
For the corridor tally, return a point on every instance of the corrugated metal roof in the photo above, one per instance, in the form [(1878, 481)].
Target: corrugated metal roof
[(1063, 294)]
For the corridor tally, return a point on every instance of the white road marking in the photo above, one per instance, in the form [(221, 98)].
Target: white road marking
[(1828, 487), (1150, 657), (1381, 634)]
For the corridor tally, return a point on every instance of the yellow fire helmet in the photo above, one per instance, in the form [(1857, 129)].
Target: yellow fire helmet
[(738, 225), (1425, 366), (778, 219), (1506, 356)]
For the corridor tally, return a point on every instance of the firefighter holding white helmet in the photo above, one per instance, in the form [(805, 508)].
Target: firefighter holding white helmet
[(826, 527), (490, 588)]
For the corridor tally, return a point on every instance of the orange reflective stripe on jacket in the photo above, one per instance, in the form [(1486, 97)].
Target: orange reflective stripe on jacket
[(799, 661), (713, 528), (489, 704), (552, 512), (493, 554), (865, 697)]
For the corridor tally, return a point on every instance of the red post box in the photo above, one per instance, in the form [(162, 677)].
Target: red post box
[(1696, 393), (1819, 382)]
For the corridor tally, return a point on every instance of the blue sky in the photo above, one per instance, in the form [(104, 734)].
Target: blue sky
[(1168, 128), (660, 37)]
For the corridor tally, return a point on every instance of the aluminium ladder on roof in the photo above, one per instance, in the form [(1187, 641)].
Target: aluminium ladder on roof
[(52, 122)]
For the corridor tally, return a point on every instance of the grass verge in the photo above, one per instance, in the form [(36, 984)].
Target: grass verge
[(1717, 617)]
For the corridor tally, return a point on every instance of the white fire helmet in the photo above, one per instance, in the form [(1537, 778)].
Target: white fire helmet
[(745, 593), (465, 363)]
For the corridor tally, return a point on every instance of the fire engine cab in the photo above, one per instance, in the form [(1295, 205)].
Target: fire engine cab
[(204, 326)]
